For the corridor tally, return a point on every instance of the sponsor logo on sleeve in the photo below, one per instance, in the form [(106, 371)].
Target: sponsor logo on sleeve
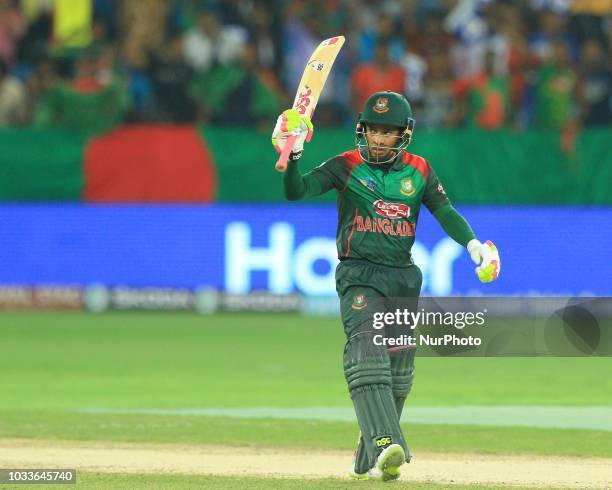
[(368, 182)]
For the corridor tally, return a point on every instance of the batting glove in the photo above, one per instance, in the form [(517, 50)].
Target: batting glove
[(291, 122), (486, 257)]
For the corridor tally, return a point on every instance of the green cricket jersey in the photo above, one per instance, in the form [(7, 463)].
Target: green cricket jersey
[(555, 95), (378, 207)]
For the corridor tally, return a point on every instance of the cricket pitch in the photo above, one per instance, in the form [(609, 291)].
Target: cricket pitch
[(523, 470)]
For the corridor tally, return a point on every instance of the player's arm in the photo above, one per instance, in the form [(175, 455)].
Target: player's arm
[(296, 185), (485, 255), (455, 225)]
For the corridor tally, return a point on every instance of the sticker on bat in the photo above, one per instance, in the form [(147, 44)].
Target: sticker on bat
[(317, 65), (327, 42), (303, 101)]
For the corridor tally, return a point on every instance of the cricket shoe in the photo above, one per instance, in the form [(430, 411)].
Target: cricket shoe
[(358, 476), (373, 473), (388, 463)]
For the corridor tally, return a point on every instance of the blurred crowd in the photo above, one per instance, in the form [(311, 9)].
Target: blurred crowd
[(485, 63)]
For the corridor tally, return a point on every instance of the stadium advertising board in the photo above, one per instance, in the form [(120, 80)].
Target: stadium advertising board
[(288, 249)]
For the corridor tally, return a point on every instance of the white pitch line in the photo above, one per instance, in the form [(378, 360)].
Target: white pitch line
[(557, 417)]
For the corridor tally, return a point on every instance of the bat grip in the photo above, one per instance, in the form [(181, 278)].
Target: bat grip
[(281, 164)]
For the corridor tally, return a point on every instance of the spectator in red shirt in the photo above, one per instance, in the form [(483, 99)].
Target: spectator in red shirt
[(85, 79), (483, 100), (381, 74)]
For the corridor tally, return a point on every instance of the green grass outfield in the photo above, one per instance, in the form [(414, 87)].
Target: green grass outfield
[(54, 365), (123, 480)]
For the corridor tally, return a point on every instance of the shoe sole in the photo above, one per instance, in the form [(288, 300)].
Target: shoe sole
[(390, 461)]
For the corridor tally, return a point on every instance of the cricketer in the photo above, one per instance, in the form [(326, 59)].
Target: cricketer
[(380, 188)]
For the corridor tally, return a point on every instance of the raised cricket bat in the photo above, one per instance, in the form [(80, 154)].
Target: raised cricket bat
[(311, 85)]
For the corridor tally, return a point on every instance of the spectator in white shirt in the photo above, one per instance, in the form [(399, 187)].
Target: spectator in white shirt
[(210, 42)]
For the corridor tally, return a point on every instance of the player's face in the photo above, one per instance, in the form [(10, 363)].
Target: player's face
[(382, 141)]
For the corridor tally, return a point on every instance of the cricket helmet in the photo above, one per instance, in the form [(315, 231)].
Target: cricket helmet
[(385, 108)]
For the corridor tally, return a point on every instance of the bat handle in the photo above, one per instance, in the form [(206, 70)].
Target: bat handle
[(281, 164)]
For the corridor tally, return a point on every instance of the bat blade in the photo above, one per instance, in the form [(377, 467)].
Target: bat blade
[(311, 85), (315, 75)]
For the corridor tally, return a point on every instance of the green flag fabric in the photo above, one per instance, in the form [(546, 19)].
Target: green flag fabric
[(479, 167)]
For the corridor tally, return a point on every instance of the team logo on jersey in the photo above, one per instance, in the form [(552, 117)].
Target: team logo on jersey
[(441, 189), (359, 302), (391, 209), (381, 105), (407, 187), (368, 182)]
